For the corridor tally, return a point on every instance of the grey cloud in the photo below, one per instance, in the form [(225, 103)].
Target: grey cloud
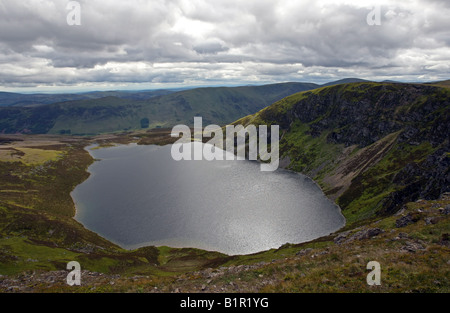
[(210, 48), (219, 41)]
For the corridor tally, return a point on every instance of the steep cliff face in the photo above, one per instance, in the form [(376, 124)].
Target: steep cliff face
[(371, 146)]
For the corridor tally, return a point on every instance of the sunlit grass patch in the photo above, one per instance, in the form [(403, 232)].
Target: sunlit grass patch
[(19, 254), (29, 156)]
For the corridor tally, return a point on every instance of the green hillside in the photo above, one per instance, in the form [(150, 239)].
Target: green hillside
[(218, 105), (18, 99), (372, 147), (444, 83)]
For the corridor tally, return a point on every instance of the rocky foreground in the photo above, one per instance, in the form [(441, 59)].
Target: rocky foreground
[(412, 247)]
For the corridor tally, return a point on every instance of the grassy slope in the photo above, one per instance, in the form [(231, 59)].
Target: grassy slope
[(357, 170), (444, 83), (110, 114)]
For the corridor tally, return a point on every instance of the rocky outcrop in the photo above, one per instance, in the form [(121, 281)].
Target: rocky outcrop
[(363, 113), (426, 180), (363, 140), (407, 220), (360, 235)]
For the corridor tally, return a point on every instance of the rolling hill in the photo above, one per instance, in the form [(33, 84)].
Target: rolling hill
[(218, 105), (32, 100), (372, 147), (345, 81), (444, 83)]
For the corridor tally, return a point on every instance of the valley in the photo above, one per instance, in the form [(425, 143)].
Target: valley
[(378, 150)]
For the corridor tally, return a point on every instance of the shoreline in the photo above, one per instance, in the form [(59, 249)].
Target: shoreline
[(95, 145)]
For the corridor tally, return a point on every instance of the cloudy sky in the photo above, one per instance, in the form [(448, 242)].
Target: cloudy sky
[(157, 44)]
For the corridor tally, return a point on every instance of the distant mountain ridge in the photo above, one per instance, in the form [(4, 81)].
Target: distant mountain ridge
[(111, 111), (217, 105), (345, 81), (18, 99), (36, 99)]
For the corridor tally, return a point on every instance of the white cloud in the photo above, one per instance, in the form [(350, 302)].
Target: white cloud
[(220, 42)]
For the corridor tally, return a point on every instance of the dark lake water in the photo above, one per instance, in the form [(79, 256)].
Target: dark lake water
[(138, 196)]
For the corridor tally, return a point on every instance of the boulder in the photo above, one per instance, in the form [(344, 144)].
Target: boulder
[(407, 220)]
